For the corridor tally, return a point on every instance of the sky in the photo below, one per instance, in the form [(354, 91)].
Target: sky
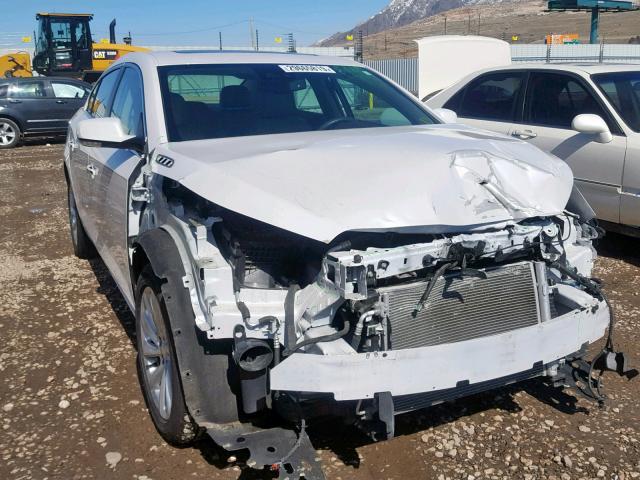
[(195, 22)]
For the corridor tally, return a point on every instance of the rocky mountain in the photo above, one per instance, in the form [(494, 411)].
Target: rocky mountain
[(403, 12)]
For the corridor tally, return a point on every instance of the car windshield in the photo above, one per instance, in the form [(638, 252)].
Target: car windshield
[(623, 91), (217, 101)]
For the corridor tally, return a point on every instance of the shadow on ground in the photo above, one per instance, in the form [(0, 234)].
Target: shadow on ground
[(620, 247), (39, 141), (107, 287)]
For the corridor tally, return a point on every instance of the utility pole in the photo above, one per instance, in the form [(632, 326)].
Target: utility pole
[(359, 50), (220, 39), (469, 25), (595, 23), (445, 25), (252, 34), (385, 42), (292, 43), (257, 40), (478, 22)]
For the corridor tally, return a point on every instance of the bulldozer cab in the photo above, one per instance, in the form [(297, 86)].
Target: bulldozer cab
[(63, 44)]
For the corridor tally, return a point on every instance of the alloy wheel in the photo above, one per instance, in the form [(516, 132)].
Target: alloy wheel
[(7, 133), (156, 353)]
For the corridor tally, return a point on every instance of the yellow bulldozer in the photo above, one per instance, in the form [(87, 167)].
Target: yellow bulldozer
[(64, 47)]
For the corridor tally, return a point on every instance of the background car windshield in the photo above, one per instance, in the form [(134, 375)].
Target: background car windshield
[(217, 101), (623, 91)]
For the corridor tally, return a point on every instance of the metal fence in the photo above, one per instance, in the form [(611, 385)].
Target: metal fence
[(403, 71), (603, 53)]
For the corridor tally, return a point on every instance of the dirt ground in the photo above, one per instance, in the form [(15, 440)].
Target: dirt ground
[(71, 407)]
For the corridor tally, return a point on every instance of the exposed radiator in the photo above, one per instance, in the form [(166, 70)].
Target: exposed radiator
[(463, 308)]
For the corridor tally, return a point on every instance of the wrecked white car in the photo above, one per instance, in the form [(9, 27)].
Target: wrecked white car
[(299, 237)]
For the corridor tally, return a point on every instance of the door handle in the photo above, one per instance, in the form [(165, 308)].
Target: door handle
[(93, 171), (524, 134), (14, 100), (61, 101)]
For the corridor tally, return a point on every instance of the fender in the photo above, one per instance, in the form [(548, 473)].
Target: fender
[(200, 361)]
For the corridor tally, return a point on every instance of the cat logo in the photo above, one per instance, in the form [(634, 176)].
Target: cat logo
[(105, 54)]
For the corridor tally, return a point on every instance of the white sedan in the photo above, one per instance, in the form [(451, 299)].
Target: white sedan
[(588, 115), (299, 237)]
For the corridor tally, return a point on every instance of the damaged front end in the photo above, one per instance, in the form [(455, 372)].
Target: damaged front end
[(379, 324), (383, 321)]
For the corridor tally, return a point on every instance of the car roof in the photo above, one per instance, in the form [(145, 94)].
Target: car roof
[(195, 57), (29, 79), (588, 68)]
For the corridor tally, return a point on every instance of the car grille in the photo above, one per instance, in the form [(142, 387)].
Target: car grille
[(461, 308)]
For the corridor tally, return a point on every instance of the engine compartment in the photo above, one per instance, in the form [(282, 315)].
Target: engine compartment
[(351, 294)]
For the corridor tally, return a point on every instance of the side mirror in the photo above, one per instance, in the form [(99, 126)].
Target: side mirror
[(108, 133), (446, 115), (591, 124)]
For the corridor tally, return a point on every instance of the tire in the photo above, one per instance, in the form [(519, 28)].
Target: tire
[(158, 366), (10, 133), (82, 245)]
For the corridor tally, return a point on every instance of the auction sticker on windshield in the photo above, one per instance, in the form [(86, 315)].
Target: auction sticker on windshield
[(307, 69)]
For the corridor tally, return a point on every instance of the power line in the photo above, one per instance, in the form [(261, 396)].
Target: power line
[(218, 27), (289, 29)]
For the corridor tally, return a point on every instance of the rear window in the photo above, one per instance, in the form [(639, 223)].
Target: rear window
[(33, 89), (492, 96), (218, 101)]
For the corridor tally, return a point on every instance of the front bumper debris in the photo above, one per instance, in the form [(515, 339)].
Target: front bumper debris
[(441, 367), (287, 452)]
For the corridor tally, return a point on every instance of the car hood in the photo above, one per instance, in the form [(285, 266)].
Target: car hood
[(435, 179)]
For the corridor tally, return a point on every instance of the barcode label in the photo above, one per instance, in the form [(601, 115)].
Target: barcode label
[(307, 69)]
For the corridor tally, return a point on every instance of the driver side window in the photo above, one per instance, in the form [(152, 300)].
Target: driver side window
[(554, 100), (99, 104), (127, 104)]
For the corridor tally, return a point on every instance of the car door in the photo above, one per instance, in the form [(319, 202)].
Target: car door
[(69, 97), (553, 99), (115, 168), (84, 165), (35, 106), (630, 198), (491, 101), (622, 90)]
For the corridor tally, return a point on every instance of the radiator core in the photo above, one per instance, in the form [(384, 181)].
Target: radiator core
[(461, 308)]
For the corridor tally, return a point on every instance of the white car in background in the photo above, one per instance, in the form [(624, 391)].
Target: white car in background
[(298, 237), (588, 115)]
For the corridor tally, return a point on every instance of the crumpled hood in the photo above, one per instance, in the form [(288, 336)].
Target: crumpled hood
[(436, 179)]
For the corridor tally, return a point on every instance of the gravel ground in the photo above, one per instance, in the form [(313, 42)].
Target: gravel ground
[(71, 408)]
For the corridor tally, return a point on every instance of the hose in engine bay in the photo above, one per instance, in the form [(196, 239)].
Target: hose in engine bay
[(325, 338)]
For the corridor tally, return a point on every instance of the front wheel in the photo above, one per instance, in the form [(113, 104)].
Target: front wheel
[(157, 365), (82, 245)]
